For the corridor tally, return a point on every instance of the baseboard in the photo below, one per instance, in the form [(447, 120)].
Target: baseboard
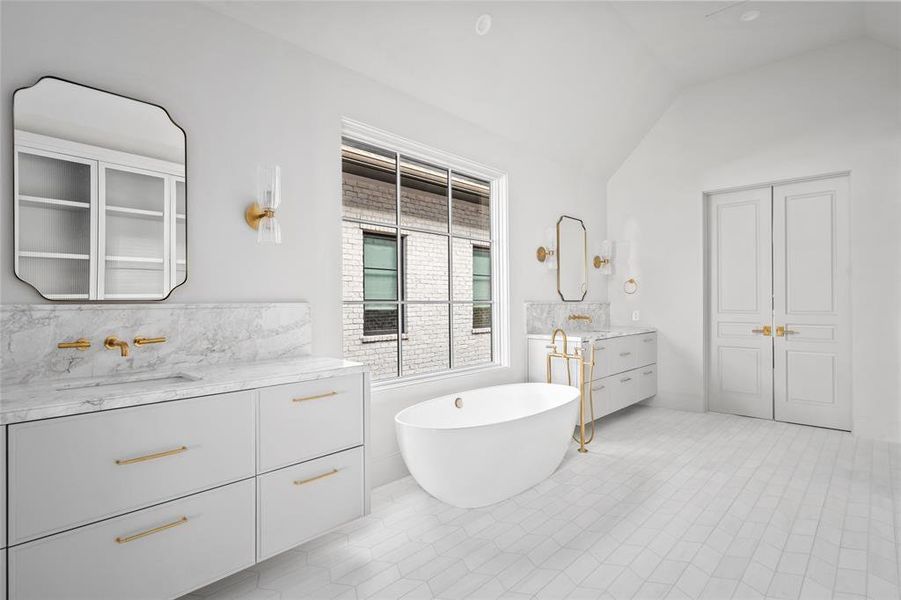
[(385, 469)]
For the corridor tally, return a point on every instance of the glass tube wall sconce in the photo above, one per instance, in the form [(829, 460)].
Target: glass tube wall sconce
[(261, 214), (547, 253), (603, 259)]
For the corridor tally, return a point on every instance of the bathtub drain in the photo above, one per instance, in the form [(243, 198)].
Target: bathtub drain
[(458, 402)]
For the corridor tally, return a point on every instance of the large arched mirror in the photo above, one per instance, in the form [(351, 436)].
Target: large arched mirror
[(100, 194), (572, 259)]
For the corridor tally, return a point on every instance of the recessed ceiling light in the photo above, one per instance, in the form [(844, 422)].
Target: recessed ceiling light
[(483, 24), (749, 15)]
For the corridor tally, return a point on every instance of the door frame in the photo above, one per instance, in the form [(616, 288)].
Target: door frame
[(705, 268)]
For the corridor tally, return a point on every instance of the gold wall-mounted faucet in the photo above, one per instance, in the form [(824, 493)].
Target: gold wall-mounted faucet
[(113, 343)]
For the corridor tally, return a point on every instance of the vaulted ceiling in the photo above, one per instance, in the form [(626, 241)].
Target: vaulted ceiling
[(582, 81)]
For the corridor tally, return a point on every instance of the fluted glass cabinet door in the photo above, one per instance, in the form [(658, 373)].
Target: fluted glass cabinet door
[(135, 239), (180, 229), (54, 224)]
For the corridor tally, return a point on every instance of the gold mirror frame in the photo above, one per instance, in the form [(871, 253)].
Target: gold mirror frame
[(560, 258)]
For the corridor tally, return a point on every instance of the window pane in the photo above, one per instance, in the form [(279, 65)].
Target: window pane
[(376, 247), (377, 351), (472, 206), (369, 177), (425, 261), (472, 334), (472, 270), (426, 345), (423, 197)]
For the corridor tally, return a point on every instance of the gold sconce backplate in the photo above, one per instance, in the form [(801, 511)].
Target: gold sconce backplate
[(255, 213), (542, 253), (600, 262)]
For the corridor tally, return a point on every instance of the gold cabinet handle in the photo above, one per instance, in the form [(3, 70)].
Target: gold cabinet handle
[(647, 372), (79, 344), (316, 478), (137, 536), (766, 331), (625, 379), (625, 353), (131, 461), (143, 341), (782, 331), (316, 397)]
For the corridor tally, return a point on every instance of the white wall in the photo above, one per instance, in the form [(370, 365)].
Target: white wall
[(245, 99), (835, 109)]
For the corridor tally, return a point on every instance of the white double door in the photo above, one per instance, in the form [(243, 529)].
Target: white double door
[(779, 334)]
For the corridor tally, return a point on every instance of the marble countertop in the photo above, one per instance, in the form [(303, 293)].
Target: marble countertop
[(60, 397), (601, 334)]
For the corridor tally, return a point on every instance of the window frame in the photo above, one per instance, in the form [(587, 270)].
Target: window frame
[(497, 242)]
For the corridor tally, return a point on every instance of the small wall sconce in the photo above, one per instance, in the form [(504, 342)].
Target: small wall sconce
[(547, 253), (603, 260), (261, 214)]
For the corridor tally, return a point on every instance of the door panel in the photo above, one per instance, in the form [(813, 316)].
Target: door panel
[(740, 276), (810, 278)]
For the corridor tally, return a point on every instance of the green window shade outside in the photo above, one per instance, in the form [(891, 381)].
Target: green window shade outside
[(481, 274), (379, 267)]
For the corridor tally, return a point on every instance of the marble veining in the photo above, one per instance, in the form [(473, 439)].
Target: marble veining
[(545, 317), (602, 334), (56, 398), (198, 335)]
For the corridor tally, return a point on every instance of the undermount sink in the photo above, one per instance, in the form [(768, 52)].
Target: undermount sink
[(126, 380)]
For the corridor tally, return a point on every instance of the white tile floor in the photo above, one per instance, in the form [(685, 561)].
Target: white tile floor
[(667, 504)]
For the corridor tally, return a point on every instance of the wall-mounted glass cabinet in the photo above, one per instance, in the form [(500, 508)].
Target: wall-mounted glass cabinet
[(100, 195), (88, 229)]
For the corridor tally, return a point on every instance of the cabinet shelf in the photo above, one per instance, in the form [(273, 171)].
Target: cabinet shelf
[(138, 212), (135, 259), (66, 296), (54, 202), (62, 255)]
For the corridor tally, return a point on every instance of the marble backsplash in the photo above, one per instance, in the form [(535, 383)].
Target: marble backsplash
[(544, 317), (196, 334)]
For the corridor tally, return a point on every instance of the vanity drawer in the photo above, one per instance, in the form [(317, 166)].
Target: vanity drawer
[(75, 470), (647, 381), (3, 488), (306, 420), (601, 398), (623, 390), (295, 504), (622, 354), (156, 553), (646, 348)]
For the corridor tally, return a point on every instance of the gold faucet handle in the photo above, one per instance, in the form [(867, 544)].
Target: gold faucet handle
[(143, 341), (79, 344)]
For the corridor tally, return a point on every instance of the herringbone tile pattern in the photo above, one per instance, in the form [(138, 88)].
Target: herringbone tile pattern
[(667, 504)]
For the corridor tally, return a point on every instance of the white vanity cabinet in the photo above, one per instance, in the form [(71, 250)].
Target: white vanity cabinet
[(156, 500), (625, 370)]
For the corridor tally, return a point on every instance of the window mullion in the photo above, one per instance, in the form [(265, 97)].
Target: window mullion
[(400, 266), (450, 268)]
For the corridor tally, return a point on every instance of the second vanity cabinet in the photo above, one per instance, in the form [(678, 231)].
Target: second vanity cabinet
[(625, 370), (155, 501)]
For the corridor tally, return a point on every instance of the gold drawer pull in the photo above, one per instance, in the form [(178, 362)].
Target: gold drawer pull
[(137, 536), (143, 341), (625, 353), (648, 340), (131, 461), (625, 380), (316, 397), (648, 373), (316, 478)]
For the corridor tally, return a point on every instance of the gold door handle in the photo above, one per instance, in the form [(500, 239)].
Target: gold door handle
[(79, 344), (137, 536), (143, 341), (316, 478), (782, 331), (131, 461), (766, 330), (316, 397)]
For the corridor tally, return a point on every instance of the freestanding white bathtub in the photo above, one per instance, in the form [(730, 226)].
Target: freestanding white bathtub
[(482, 446)]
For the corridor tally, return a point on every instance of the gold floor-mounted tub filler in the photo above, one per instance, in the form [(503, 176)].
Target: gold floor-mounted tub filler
[(578, 356)]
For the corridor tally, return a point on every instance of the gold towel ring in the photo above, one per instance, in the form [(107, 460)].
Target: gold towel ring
[(630, 286)]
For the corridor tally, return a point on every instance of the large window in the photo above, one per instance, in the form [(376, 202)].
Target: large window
[(418, 249)]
